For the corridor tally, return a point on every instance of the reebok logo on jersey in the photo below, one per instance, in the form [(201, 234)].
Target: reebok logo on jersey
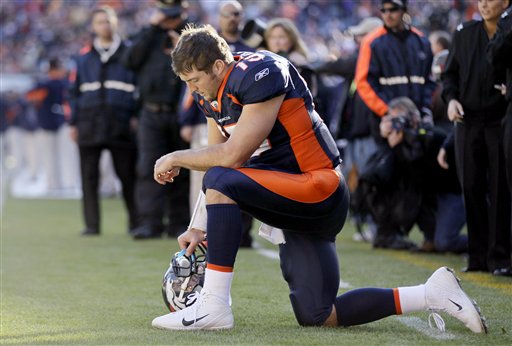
[(263, 73), (189, 323)]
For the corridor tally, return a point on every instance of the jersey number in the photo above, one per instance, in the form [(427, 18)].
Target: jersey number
[(252, 57)]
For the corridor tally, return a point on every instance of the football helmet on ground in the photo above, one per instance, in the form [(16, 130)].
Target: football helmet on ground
[(184, 279)]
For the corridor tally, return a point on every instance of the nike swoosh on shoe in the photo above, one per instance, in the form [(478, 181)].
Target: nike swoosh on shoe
[(458, 306), (189, 323)]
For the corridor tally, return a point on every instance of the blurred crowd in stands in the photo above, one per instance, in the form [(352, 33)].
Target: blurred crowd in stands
[(35, 31)]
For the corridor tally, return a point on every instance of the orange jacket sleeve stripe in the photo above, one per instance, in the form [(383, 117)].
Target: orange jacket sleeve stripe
[(365, 90)]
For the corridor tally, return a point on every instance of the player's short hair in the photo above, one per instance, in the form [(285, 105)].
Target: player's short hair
[(199, 47)]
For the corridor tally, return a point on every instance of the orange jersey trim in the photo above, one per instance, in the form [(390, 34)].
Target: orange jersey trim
[(295, 118), (311, 187), (221, 89), (365, 90), (234, 99), (219, 268), (396, 296)]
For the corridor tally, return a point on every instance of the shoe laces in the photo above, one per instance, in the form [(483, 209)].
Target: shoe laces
[(438, 321), (200, 298)]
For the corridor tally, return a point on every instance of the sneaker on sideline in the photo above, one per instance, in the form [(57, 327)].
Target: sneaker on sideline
[(208, 312)]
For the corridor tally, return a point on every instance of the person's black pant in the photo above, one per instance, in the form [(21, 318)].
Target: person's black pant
[(159, 134), (481, 168), (507, 146), (124, 158)]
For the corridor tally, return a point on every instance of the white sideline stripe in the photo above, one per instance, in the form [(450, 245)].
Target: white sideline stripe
[(344, 284), (423, 327), (268, 253), (275, 256)]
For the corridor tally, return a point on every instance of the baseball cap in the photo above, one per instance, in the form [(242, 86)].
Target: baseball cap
[(365, 26), (399, 3), (172, 8)]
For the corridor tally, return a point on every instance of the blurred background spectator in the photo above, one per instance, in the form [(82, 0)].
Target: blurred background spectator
[(478, 108), (48, 98), (103, 115), (162, 209)]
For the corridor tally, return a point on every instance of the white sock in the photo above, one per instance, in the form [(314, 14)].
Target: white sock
[(218, 283), (412, 298)]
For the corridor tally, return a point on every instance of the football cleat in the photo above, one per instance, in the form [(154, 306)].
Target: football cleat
[(443, 293), (184, 279), (208, 312)]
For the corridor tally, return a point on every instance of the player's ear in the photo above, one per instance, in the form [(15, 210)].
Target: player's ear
[(218, 67)]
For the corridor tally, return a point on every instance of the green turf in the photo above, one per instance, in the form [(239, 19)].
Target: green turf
[(60, 288)]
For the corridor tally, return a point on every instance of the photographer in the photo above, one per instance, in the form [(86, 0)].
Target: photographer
[(159, 129), (395, 185)]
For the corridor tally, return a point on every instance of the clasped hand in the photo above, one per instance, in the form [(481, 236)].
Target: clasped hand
[(164, 170)]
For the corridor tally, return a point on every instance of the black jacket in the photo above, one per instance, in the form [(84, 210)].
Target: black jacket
[(102, 98), (148, 55), (499, 50), (470, 78)]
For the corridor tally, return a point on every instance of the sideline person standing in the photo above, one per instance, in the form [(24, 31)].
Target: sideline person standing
[(159, 129), (500, 54), (477, 108), (103, 110)]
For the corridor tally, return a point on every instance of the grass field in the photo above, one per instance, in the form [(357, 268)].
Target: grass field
[(60, 288)]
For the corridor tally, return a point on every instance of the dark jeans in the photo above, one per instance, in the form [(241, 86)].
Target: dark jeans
[(158, 134), (124, 158), (450, 219)]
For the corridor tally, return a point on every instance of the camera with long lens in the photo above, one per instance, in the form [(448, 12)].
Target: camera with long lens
[(253, 33)]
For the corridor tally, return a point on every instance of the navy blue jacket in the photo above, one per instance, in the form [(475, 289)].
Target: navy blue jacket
[(102, 98), (392, 65)]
